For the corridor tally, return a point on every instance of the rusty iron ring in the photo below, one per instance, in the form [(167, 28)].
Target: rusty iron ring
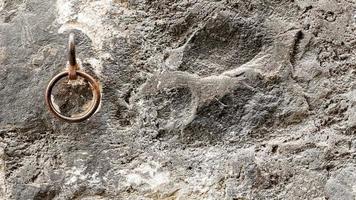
[(95, 91), (72, 73)]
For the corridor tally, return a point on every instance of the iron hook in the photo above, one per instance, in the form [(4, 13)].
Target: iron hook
[(73, 66), (73, 72)]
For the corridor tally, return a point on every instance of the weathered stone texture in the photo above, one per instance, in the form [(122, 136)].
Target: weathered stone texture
[(202, 99)]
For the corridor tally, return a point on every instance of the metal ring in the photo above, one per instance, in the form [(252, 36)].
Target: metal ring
[(96, 97)]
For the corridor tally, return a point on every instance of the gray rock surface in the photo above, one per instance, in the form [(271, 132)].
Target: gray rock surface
[(202, 99)]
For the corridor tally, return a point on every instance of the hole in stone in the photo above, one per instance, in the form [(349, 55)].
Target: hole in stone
[(274, 148)]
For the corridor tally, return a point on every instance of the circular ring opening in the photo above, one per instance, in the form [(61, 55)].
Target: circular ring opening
[(94, 105)]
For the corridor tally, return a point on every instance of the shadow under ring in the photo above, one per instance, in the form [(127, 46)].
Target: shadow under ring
[(88, 113)]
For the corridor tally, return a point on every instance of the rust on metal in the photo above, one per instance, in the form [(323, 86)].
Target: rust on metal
[(73, 66), (72, 73)]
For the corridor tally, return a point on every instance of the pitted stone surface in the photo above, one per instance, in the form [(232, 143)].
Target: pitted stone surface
[(225, 99)]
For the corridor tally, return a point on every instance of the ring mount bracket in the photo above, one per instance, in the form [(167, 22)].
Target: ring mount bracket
[(72, 74)]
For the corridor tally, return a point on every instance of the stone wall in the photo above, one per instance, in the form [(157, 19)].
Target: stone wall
[(202, 99)]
